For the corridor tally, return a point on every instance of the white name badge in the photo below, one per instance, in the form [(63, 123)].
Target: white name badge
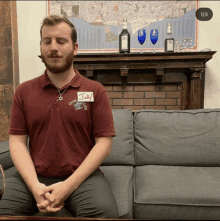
[(85, 96)]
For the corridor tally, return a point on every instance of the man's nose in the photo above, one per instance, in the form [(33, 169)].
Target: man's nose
[(53, 45)]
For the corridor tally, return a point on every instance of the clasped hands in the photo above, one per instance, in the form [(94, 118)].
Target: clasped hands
[(51, 198)]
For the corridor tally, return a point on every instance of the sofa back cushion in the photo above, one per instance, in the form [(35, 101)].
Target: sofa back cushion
[(5, 157), (123, 143), (5, 160), (177, 137)]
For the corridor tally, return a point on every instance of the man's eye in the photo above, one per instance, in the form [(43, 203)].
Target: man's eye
[(60, 42)]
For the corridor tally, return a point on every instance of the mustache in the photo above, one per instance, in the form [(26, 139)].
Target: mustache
[(54, 55)]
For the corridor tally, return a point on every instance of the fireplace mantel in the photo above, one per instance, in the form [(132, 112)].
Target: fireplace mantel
[(183, 68)]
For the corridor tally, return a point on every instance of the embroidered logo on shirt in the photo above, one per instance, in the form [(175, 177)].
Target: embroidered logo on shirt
[(78, 105)]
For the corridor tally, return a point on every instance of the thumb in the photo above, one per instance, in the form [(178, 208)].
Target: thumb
[(48, 189)]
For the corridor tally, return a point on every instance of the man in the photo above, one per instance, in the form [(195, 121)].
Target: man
[(69, 121)]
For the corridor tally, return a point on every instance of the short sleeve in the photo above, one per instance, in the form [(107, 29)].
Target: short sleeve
[(18, 123), (103, 123)]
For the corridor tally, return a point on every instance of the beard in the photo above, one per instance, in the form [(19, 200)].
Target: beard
[(54, 67)]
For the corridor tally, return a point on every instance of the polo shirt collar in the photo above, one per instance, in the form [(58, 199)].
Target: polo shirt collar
[(75, 82)]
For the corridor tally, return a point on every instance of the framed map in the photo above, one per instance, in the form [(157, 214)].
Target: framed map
[(99, 23)]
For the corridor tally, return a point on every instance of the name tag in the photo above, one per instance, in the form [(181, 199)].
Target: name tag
[(85, 96)]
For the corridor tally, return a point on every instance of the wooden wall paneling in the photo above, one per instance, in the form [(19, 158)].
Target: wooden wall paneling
[(15, 55), (9, 72)]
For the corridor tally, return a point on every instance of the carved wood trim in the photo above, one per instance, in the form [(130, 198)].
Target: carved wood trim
[(195, 88), (159, 74)]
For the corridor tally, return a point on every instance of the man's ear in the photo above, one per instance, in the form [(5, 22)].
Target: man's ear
[(76, 47)]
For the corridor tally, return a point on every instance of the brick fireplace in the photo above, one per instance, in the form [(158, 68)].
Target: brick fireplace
[(164, 97), (166, 81)]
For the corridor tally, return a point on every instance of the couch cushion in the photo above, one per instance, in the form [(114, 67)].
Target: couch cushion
[(183, 187), (5, 160), (179, 185), (177, 137), (175, 212), (4, 146), (120, 179), (123, 143), (5, 156)]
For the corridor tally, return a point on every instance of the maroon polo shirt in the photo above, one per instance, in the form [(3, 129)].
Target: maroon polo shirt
[(61, 133)]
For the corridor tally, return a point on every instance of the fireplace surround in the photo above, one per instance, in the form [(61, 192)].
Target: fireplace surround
[(169, 81)]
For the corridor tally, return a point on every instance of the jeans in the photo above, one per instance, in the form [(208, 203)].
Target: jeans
[(93, 198)]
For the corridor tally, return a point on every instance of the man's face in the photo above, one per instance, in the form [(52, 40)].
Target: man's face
[(57, 50)]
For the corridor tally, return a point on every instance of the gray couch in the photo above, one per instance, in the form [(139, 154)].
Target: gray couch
[(164, 164)]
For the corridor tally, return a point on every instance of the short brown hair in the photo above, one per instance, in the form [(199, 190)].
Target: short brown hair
[(56, 19)]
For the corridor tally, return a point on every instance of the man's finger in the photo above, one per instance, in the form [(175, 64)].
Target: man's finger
[(55, 205), (43, 205), (49, 197), (43, 210), (48, 208)]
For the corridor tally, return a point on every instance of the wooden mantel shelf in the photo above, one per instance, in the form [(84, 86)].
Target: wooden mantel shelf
[(159, 61), (144, 56)]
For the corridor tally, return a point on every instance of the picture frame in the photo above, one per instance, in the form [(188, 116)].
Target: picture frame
[(99, 23), (169, 45)]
